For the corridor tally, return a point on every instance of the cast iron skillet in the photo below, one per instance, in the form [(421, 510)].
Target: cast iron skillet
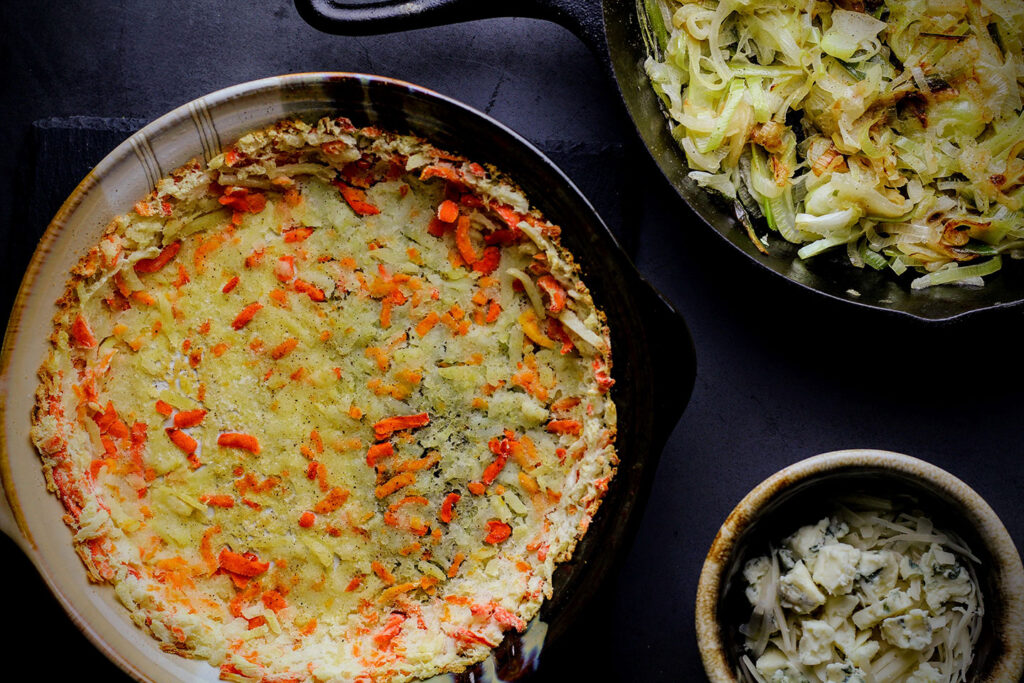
[(614, 30), (654, 361)]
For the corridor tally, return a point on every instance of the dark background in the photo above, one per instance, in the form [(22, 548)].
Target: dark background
[(782, 374)]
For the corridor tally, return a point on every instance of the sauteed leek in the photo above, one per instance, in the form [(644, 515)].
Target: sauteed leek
[(891, 128)]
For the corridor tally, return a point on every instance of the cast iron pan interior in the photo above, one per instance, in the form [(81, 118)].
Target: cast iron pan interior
[(614, 30)]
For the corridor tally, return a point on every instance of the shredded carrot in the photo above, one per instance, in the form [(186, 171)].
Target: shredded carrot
[(463, 242), (447, 507), (396, 483), (334, 499), (476, 488), (356, 199), (280, 296), (379, 451), (531, 326), (448, 211), (204, 250), (555, 292), (297, 234), (453, 570), (206, 548), (247, 565), (230, 285), (273, 600), (424, 326), (284, 348), (242, 199), (246, 442), (389, 594), (307, 519), (384, 428), (152, 265), (488, 263), (189, 418), (183, 441), (382, 572), (254, 259), (312, 291), (219, 501), (164, 408), (144, 298), (284, 269), (426, 462), (497, 531), (318, 443), (246, 315), (219, 349), (572, 427)]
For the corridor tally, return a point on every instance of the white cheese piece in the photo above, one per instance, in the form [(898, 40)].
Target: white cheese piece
[(840, 607), (835, 568), (771, 661), (755, 572), (878, 571), (787, 675), (896, 602), (910, 631), (844, 672), (926, 673), (798, 592), (816, 642), (846, 635), (807, 540), (863, 654)]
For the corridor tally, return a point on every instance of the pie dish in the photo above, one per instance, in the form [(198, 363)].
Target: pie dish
[(654, 362), (330, 406)]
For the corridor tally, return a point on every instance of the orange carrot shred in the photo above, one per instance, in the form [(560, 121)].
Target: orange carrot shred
[(183, 441), (189, 418), (82, 334), (572, 427), (164, 408), (463, 242), (334, 499), (399, 481), (284, 348), (379, 451), (453, 570), (246, 315), (447, 507), (247, 565), (384, 428), (497, 531), (152, 265), (220, 501), (448, 211), (246, 442), (230, 285)]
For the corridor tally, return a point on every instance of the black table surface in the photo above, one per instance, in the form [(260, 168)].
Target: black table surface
[(782, 374)]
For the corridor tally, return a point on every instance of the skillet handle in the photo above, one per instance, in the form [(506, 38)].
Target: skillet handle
[(355, 17), (673, 357)]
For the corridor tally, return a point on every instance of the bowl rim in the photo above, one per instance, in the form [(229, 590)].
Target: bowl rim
[(992, 532)]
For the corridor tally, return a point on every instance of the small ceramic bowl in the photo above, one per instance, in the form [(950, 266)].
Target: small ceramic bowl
[(804, 493)]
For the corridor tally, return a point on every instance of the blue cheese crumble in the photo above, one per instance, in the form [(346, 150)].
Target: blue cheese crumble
[(870, 593)]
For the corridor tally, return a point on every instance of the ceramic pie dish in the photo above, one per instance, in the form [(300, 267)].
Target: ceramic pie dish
[(656, 364)]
